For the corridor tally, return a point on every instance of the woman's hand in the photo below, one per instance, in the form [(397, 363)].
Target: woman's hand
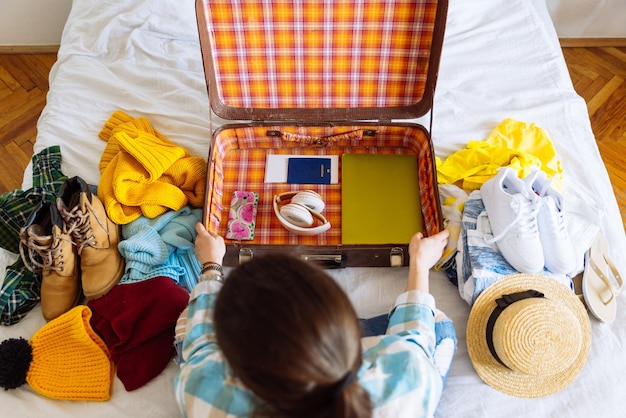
[(424, 254), (427, 251), (209, 247)]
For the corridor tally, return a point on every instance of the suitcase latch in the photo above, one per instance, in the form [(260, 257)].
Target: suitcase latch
[(328, 261), (245, 254), (396, 257)]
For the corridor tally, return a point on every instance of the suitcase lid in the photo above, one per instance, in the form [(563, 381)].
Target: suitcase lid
[(320, 60)]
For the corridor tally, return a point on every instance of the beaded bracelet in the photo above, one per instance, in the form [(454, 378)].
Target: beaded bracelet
[(210, 265)]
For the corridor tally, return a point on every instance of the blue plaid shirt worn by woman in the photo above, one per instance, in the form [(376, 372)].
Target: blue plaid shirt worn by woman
[(398, 369)]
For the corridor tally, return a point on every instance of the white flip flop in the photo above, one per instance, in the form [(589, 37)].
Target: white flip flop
[(598, 289)]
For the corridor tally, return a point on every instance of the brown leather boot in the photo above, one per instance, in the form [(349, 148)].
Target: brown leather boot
[(95, 235), (47, 248)]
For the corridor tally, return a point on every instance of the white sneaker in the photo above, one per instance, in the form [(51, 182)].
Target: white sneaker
[(512, 210), (557, 246)]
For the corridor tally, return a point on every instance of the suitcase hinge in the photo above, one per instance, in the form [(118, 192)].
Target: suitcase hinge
[(396, 257)]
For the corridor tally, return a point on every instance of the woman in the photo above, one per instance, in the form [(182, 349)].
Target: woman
[(280, 338)]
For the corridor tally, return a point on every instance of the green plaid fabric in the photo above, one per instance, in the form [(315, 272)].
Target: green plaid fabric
[(20, 293), (21, 288), (16, 206)]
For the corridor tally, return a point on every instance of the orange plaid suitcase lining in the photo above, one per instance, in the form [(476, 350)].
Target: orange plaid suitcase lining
[(311, 54), (238, 163)]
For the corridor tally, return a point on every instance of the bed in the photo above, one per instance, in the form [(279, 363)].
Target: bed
[(501, 59)]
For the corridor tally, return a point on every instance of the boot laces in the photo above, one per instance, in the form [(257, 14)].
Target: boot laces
[(38, 255), (79, 226)]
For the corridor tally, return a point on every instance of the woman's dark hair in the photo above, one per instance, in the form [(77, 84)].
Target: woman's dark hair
[(292, 337)]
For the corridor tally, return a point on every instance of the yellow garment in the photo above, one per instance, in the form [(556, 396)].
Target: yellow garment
[(70, 361), (512, 143), (143, 173), (452, 204)]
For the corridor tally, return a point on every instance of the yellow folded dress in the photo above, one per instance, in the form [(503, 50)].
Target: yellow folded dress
[(512, 143)]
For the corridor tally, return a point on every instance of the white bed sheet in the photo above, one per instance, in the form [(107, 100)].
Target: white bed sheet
[(501, 59)]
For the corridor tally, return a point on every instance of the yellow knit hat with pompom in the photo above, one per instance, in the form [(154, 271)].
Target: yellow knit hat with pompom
[(69, 360)]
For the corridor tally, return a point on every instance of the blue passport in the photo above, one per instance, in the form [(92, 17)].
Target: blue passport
[(303, 170)]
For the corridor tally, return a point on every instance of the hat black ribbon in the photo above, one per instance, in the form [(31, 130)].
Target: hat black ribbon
[(504, 302)]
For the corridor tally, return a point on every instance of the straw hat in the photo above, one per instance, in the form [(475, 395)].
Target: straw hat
[(540, 335)]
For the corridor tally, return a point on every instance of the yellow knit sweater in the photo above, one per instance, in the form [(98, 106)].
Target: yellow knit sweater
[(143, 173)]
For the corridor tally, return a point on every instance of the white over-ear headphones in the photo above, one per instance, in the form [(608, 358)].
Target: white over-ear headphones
[(299, 214)]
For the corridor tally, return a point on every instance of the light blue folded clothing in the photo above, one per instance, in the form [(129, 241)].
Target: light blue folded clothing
[(162, 246)]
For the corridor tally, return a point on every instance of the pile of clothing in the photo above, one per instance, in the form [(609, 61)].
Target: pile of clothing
[(123, 249), (502, 201)]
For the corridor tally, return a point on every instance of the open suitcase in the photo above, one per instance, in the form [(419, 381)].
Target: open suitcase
[(320, 79)]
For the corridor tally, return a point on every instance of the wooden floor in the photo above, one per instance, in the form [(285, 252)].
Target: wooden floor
[(598, 74), (23, 88)]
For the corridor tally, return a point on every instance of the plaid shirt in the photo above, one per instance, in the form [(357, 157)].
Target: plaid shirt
[(398, 368), (21, 288)]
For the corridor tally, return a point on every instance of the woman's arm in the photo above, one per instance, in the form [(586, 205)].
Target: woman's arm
[(199, 330)]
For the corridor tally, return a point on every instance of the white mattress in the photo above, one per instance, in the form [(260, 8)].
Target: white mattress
[(501, 59)]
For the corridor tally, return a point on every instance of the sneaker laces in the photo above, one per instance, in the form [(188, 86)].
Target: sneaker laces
[(557, 217), (79, 226), (526, 205), (37, 247)]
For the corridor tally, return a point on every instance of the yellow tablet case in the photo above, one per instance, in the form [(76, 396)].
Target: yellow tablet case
[(380, 199)]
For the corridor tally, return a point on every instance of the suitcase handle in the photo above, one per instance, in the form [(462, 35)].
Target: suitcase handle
[(327, 261), (353, 135)]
